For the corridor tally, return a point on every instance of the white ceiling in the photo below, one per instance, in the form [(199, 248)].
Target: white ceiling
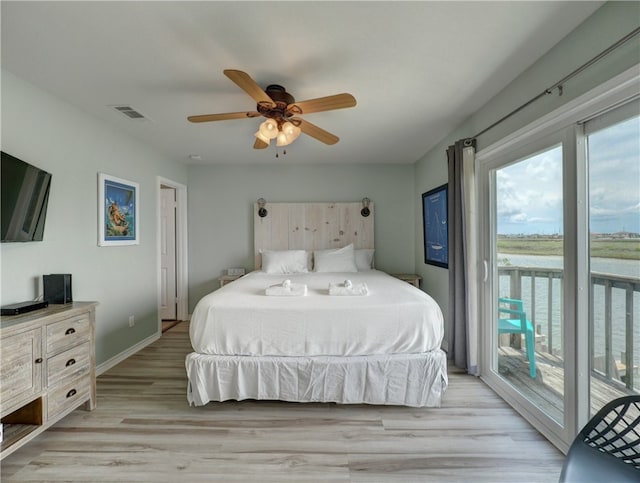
[(417, 69)]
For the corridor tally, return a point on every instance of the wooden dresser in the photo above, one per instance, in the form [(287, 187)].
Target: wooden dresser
[(47, 369)]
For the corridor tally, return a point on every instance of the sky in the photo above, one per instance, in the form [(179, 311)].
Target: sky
[(529, 192)]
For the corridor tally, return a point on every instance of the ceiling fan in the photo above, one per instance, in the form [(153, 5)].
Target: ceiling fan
[(280, 108)]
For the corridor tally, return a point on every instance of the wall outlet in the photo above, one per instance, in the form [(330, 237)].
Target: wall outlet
[(132, 321)]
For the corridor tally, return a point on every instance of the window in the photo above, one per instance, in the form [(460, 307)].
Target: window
[(613, 158)]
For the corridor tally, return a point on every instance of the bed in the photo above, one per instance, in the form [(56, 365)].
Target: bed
[(379, 348)]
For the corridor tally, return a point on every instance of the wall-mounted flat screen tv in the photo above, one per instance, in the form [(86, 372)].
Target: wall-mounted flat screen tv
[(25, 196)]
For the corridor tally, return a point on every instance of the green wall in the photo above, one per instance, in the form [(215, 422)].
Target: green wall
[(221, 202), (74, 148), (606, 26)]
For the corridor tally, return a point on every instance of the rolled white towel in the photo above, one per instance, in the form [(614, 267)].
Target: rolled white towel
[(353, 289), (348, 284), (287, 289)]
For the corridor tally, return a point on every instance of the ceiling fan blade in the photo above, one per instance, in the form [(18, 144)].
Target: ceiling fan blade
[(223, 117), (339, 101), (247, 84), (260, 144), (316, 132)]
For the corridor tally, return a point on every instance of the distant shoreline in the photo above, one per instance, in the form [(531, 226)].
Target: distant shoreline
[(625, 249)]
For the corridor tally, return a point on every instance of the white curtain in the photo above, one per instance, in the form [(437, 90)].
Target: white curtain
[(463, 260)]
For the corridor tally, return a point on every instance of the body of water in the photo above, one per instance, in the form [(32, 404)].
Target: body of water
[(614, 266)]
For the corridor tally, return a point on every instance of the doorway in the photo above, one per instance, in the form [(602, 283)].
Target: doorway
[(168, 293), (172, 256)]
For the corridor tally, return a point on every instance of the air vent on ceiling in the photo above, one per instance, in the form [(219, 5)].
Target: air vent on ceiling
[(130, 112)]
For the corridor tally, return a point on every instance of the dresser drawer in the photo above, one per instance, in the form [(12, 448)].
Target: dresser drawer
[(70, 363), (68, 395), (67, 333)]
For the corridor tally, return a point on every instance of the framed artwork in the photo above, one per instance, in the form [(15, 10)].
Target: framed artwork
[(436, 228), (118, 211)]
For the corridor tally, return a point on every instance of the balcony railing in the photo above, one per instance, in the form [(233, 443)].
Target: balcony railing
[(612, 301)]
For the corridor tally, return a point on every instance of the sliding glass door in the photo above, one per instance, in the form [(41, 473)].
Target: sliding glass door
[(560, 303), (524, 298), (528, 262)]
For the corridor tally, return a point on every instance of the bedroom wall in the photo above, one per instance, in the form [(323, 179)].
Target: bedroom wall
[(221, 211), (607, 25), (74, 147)]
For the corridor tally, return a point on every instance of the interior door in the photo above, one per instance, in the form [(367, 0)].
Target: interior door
[(168, 294)]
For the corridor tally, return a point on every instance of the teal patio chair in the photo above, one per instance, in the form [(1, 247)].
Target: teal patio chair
[(512, 319)]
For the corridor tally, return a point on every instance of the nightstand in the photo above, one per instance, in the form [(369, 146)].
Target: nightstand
[(225, 279), (411, 278)]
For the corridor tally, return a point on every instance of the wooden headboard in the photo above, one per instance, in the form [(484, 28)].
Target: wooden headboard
[(311, 226)]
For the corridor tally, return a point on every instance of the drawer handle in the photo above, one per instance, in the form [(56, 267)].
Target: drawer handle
[(70, 362), (38, 360), (72, 393), (70, 331)]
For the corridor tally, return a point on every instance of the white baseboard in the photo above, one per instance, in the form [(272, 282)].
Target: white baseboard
[(105, 366)]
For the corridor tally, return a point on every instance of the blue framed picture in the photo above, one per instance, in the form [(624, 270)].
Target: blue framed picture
[(436, 227), (118, 211)]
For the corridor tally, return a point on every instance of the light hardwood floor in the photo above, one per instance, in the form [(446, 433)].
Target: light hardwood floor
[(144, 430)]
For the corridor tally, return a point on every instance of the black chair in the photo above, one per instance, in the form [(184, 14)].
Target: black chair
[(608, 447)]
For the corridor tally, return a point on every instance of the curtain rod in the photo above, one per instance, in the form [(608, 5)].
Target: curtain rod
[(558, 85)]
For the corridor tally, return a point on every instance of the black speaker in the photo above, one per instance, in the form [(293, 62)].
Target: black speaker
[(57, 288)]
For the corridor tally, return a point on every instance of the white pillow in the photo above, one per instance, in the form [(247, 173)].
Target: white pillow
[(340, 260), (364, 259), (284, 261)]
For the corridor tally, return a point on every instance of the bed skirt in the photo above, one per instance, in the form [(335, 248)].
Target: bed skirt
[(416, 380)]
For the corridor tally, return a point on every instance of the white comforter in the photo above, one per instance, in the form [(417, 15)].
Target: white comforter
[(239, 319)]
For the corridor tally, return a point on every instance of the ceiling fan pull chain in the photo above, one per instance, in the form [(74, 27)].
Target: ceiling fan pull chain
[(284, 152)]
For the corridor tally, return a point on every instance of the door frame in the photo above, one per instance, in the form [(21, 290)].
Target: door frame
[(169, 302), (182, 272)]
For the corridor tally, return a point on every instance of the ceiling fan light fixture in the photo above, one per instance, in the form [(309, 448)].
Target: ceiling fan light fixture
[(291, 131), (283, 139), (262, 137), (269, 129)]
